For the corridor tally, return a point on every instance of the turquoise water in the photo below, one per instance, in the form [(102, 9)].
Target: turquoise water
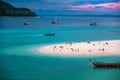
[(18, 62)]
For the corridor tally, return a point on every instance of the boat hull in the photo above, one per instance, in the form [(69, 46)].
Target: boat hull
[(106, 65), (55, 22), (50, 34)]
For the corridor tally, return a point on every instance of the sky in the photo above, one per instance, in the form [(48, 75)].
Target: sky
[(70, 7)]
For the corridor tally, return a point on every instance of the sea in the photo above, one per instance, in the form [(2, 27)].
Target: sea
[(18, 61)]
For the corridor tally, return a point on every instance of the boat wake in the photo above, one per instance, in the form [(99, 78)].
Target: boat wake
[(33, 35)]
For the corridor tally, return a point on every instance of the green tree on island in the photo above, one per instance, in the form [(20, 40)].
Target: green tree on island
[(7, 9)]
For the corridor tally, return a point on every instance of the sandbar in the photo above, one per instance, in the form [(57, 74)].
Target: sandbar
[(88, 48)]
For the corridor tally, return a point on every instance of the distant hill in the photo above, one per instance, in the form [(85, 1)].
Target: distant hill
[(7, 9)]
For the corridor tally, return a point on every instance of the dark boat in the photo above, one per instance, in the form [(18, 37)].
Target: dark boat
[(50, 34), (26, 23), (55, 22), (93, 24), (106, 64)]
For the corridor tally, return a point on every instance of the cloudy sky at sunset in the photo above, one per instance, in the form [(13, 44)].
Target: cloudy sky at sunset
[(70, 7)]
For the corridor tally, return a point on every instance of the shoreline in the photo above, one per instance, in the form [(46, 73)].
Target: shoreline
[(90, 48)]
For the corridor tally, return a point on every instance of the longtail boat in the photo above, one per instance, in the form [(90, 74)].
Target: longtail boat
[(50, 34), (26, 23), (106, 64), (55, 22)]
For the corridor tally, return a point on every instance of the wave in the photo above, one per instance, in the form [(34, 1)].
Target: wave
[(33, 35)]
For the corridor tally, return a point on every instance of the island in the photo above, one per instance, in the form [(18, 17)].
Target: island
[(7, 9)]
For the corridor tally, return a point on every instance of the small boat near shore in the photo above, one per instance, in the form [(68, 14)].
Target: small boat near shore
[(106, 64)]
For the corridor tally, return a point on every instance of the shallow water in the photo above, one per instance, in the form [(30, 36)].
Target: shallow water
[(18, 62)]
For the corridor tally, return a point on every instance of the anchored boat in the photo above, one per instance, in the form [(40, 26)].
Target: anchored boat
[(106, 64), (26, 23), (55, 22)]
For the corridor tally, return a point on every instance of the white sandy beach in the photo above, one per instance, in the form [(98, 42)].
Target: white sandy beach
[(111, 47)]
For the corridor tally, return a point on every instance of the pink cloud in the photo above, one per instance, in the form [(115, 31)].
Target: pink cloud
[(115, 6)]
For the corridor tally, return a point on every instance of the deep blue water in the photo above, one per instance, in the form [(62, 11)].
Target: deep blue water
[(17, 62)]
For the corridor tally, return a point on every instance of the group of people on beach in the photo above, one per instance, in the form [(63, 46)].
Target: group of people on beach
[(89, 48), (69, 47)]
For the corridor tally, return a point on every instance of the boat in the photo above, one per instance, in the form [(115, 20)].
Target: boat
[(93, 24), (106, 64), (50, 34), (55, 22), (26, 23)]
